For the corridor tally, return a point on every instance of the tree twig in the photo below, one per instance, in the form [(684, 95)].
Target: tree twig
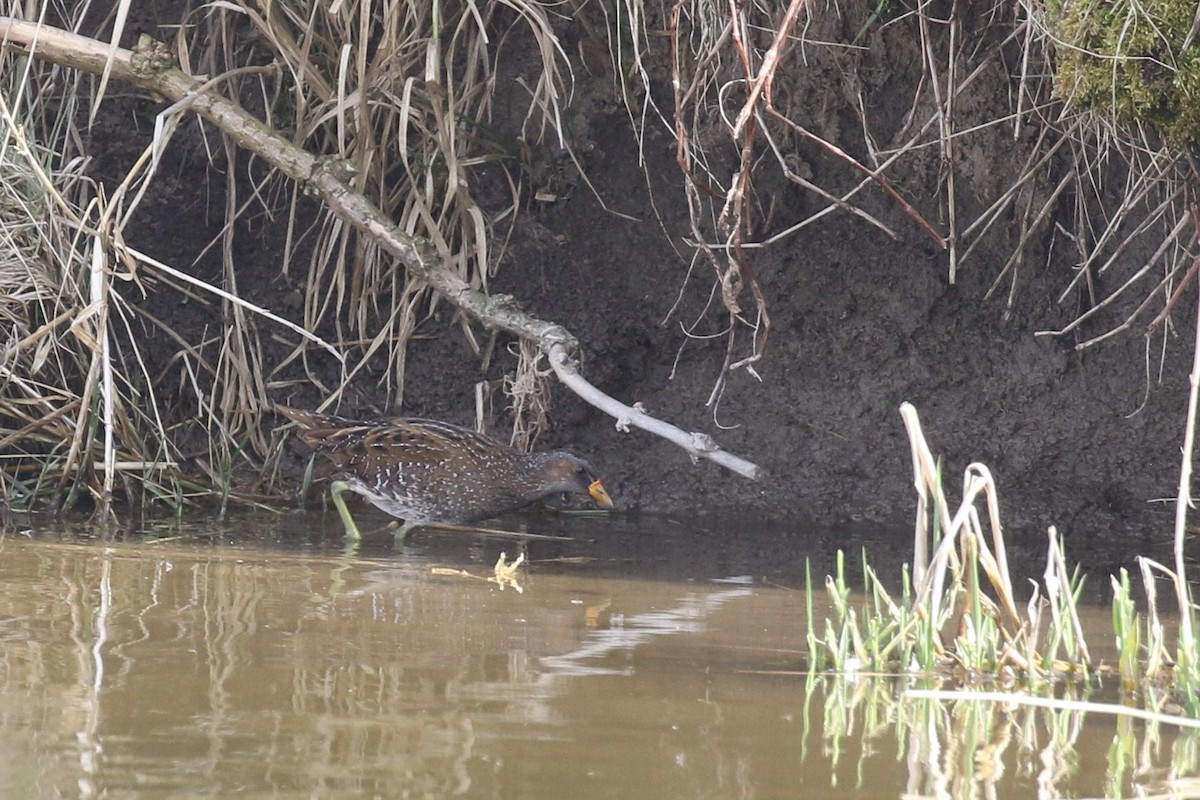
[(697, 445)]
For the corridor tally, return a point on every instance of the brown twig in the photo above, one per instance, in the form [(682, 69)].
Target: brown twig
[(875, 175), (1187, 278)]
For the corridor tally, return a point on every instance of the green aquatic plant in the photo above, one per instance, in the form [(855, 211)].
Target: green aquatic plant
[(960, 612), (959, 618), (1126, 632)]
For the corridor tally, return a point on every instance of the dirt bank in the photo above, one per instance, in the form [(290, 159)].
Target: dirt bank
[(860, 321)]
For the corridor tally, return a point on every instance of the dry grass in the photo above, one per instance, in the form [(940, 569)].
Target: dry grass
[(529, 388), (80, 410), (403, 94), (56, 383)]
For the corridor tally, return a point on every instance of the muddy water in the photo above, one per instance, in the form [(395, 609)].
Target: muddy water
[(642, 659)]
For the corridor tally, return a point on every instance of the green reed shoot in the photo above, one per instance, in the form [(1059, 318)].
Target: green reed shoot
[(961, 605), (1127, 633)]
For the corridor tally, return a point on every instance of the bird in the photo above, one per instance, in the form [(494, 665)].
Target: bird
[(426, 472)]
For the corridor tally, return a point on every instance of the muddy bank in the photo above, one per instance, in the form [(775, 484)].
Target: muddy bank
[(860, 321), (1087, 441)]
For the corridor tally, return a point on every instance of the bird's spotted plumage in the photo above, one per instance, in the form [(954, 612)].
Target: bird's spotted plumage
[(426, 471)]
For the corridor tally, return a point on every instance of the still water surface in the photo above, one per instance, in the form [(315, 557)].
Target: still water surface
[(643, 659)]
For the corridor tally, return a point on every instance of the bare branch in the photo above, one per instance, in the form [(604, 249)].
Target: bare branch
[(698, 445)]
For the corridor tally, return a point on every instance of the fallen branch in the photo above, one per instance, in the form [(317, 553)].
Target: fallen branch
[(697, 445), (151, 67)]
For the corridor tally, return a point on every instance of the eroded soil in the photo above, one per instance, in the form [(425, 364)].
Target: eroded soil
[(860, 322)]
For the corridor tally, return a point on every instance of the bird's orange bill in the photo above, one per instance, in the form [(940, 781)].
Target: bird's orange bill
[(597, 492)]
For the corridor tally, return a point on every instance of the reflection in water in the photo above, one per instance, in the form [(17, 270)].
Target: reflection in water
[(180, 669), (688, 616)]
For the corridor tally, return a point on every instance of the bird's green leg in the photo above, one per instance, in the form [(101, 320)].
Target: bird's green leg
[(403, 530), (335, 489)]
